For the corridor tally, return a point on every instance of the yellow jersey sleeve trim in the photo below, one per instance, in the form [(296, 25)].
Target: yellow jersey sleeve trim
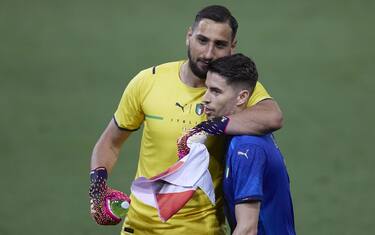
[(121, 128)]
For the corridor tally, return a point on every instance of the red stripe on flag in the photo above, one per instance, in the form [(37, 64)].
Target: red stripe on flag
[(171, 169), (171, 203)]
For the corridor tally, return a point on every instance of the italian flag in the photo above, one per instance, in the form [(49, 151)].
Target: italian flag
[(170, 190)]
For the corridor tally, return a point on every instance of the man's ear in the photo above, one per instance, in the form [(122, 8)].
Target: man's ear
[(233, 46), (243, 97), (188, 35)]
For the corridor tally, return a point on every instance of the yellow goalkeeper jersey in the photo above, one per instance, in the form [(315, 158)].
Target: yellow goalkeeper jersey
[(157, 98)]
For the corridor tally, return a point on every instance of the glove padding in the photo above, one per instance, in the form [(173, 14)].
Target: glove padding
[(214, 126), (194, 135), (101, 195)]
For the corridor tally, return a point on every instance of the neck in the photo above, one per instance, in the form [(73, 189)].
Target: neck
[(189, 78), (238, 109)]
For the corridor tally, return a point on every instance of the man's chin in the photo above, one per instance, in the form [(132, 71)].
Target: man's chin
[(200, 72), (210, 116)]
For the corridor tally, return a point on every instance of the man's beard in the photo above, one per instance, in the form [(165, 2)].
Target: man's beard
[(202, 74)]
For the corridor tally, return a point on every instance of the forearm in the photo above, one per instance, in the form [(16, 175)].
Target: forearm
[(259, 119), (104, 155), (245, 230), (107, 149), (247, 215)]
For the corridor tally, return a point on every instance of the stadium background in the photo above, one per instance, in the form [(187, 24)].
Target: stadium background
[(64, 65)]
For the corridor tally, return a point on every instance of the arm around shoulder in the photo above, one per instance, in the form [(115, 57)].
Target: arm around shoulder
[(262, 118)]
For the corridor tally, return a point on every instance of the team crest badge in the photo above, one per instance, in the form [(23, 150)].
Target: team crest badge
[(199, 109)]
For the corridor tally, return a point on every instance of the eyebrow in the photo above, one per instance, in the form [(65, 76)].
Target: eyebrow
[(224, 42)]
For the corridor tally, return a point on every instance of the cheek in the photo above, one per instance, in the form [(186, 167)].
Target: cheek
[(194, 50), (225, 105), (219, 103)]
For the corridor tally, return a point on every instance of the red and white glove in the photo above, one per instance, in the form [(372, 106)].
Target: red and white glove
[(194, 135), (100, 196)]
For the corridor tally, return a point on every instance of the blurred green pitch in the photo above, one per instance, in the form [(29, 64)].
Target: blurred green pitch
[(64, 65)]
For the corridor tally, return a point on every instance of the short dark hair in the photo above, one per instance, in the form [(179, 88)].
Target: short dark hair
[(238, 70), (219, 14)]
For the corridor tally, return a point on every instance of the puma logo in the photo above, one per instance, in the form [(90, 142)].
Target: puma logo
[(180, 106), (243, 153)]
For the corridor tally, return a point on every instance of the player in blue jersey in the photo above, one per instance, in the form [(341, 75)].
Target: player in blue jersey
[(256, 182)]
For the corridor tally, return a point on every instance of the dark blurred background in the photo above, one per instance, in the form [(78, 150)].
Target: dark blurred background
[(65, 64)]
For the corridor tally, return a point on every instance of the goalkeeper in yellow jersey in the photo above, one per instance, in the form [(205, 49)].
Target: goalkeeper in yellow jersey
[(167, 100)]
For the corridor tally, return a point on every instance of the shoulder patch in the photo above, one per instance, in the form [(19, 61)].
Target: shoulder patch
[(154, 69)]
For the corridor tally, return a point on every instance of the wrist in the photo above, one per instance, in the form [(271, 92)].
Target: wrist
[(215, 126), (98, 174), (98, 182), (225, 122)]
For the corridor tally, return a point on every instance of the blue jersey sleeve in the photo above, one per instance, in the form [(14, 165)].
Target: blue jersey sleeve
[(248, 170)]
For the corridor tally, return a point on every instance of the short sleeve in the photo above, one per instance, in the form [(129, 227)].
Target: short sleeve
[(129, 114), (259, 94), (249, 162)]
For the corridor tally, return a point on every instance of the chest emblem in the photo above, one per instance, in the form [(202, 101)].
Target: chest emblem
[(199, 109)]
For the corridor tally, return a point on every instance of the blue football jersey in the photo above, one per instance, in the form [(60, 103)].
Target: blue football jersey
[(255, 170)]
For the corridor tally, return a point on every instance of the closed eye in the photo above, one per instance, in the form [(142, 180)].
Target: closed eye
[(221, 44), (215, 91), (202, 39)]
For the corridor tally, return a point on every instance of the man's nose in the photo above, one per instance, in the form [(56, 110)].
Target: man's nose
[(209, 53), (205, 98)]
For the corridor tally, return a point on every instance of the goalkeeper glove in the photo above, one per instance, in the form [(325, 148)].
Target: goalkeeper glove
[(182, 143), (100, 197), (215, 126), (192, 136)]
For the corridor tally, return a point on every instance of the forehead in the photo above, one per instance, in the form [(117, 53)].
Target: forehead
[(213, 30), (215, 80)]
